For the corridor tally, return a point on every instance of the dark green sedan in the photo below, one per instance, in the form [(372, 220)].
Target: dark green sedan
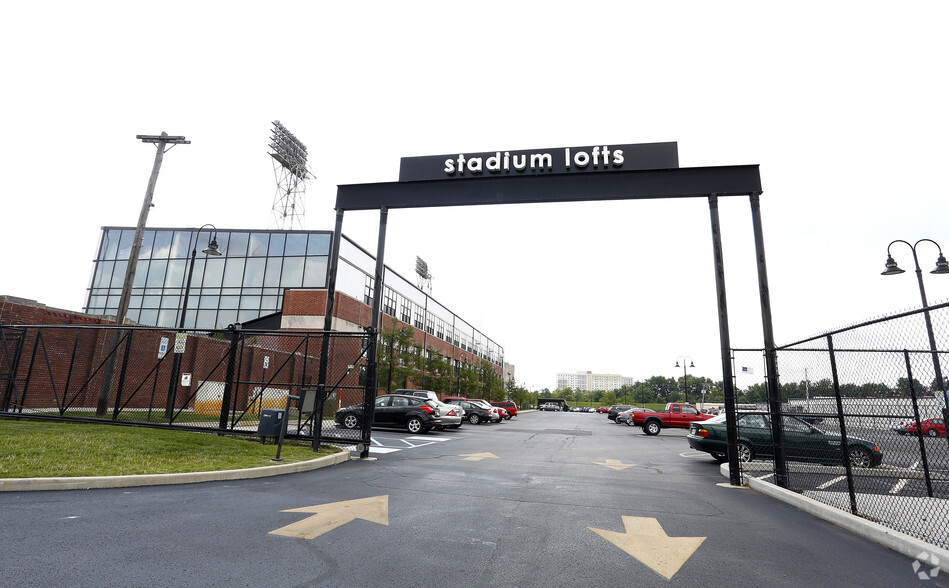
[(802, 442)]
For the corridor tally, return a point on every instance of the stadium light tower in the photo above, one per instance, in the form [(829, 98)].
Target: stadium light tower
[(291, 173), (424, 276)]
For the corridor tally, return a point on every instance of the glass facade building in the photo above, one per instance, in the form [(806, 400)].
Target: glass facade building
[(248, 279), (244, 283)]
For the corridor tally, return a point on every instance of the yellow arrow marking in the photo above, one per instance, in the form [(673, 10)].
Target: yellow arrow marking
[(615, 464), (478, 456), (645, 540), (336, 514)]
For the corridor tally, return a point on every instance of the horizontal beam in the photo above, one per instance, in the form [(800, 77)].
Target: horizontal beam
[(618, 185)]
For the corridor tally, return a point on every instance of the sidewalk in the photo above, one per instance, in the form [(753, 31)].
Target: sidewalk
[(908, 545)]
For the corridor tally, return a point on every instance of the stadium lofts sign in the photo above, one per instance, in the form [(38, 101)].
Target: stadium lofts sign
[(560, 160)]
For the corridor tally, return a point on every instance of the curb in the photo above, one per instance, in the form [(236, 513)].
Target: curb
[(895, 540), (89, 482)]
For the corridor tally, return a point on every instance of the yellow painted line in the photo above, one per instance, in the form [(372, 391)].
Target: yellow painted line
[(645, 540), (336, 514), (615, 464)]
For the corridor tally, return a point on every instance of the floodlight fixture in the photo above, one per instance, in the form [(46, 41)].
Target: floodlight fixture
[(289, 151), (421, 268)]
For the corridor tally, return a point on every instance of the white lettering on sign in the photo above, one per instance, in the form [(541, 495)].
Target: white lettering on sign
[(600, 157)]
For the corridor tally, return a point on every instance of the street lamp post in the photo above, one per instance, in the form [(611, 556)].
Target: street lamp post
[(685, 374), (942, 267), (212, 249)]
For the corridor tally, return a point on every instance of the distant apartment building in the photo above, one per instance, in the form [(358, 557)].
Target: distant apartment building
[(588, 381)]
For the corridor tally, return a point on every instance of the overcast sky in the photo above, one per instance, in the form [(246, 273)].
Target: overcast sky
[(843, 104)]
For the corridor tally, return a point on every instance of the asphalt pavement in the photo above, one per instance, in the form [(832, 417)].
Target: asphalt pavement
[(546, 499)]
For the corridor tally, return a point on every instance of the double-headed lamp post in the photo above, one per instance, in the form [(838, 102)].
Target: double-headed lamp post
[(685, 374), (942, 267), (212, 249)]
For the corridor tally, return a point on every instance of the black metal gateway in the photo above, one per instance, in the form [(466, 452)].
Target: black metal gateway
[(569, 174)]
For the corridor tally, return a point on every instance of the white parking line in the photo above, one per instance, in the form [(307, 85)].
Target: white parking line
[(831, 482), (902, 481)]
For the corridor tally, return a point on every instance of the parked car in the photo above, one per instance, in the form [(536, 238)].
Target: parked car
[(495, 411), (802, 441), (603, 409), (931, 427), (476, 413), (616, 409), (510, 407), (415, 414), (628, 418), (623, 417), (550, 406), (452, 415)]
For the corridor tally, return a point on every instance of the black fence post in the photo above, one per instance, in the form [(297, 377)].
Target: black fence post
[(125, 364), (236, 335), (919, 426), (844, 444)]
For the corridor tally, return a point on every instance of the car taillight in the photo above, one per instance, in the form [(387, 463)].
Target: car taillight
[(451, 412), (700, 432), (428, 409)]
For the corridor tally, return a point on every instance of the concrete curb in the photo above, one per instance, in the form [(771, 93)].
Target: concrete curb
[(88, 482), (895, 540)]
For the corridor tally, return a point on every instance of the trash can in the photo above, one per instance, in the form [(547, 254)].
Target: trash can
[(271, 422)]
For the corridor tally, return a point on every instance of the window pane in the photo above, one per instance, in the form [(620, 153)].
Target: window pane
[(148, 317), (296, 244), (118, 273), (170, 302), (147, 239), (276, 244), (125, 244), (292, 272), (209, 302), (318, 245), (250, 302), (151, 301), (162, 246), (268, 302), (110, 243), (103, 274), (254, 272), (141, 272), (314, 272), (237, 245), (258, 244), (226, 317), (214, 273), (272, 277), (181, 244), (166, 318), (206, 319), (228, 302), (175, 274), (246, 315), (234, 271)]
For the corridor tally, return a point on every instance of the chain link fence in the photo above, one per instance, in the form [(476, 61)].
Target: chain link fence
[(863, 413)]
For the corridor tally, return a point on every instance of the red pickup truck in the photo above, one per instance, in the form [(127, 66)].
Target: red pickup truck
[(677, 415)]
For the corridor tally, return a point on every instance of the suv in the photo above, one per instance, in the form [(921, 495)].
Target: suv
[(510, 407)]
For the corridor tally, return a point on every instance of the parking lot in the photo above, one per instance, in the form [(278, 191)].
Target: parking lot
[(546, 499)]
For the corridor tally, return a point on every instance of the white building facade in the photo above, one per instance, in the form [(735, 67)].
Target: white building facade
[(588, 381)]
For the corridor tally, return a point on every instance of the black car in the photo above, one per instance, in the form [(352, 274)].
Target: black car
[(475, 413), (616, 409), (394, 410), (802, 441)]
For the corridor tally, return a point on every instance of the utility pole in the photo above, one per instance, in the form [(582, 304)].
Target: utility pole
[(160, 141)]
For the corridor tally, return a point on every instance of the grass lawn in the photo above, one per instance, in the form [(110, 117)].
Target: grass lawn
[(39, 449)]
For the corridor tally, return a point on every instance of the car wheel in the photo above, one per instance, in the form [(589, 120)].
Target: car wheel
[(719, 457), (350, 421), (652, 427), (507, 418), (933, 433), (414, 425), (474, 419), (745, 452), (860, 457), (629, 422)]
